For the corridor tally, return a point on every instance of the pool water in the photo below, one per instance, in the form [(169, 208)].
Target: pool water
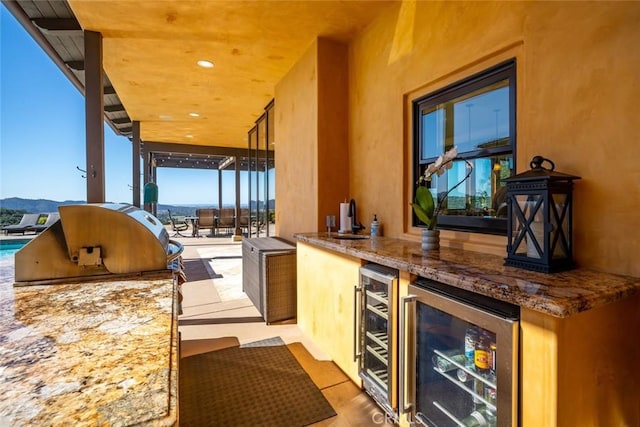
[(10, 247)]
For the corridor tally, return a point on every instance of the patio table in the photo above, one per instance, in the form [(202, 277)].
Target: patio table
[(195, 230)]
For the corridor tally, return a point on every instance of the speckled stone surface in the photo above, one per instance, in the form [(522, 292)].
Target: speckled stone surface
[(559, 294), (88, 354)]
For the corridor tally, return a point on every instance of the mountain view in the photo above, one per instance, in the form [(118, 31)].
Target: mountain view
[(11, 209)]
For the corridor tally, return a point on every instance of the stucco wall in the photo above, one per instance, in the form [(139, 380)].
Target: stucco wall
[(333, 129), (311, 139), (577, 92), (296, 142)]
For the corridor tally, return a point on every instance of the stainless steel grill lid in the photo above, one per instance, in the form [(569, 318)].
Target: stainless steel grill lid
[(95, 240)]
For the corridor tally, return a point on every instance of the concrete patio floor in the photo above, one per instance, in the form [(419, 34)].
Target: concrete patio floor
[(218, 314)]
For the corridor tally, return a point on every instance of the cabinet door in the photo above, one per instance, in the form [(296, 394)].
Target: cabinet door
[(326, 282)]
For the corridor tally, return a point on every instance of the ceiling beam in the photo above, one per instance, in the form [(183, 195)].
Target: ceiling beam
[(59, 26), (114, 108), (75, 65), (185, 164), (121, 121), (165, 147)]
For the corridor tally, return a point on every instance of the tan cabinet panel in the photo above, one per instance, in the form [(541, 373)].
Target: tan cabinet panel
[(326, 283)]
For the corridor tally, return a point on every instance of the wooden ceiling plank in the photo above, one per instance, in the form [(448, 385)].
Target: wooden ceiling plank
[(61, 9), (44, 8)]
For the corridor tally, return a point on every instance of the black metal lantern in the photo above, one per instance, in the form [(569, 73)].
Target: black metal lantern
[(539, 216)]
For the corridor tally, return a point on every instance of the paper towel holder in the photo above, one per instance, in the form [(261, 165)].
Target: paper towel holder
[(345, 219)]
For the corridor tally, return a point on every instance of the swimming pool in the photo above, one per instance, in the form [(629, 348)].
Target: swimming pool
[(10, 247)]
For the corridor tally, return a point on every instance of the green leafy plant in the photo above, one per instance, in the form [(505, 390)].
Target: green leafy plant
[(424, 206)]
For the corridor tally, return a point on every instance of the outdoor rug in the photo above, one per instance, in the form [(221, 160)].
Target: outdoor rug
[(261, 384)]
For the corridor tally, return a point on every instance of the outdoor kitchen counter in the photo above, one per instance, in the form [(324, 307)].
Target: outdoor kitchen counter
[(558, 294), (99, 353)]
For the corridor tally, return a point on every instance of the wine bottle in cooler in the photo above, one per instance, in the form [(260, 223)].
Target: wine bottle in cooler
[(482, 353), (479, 418), (470, 339), (481, 362)]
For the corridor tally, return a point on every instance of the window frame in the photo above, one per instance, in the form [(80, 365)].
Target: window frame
[(492, 75)]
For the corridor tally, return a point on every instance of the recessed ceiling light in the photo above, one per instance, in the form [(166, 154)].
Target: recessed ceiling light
[(189, 135), (205, 64), (194, 114), (165, 117)]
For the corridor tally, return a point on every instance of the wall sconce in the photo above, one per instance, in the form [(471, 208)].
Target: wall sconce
[(539, 217)]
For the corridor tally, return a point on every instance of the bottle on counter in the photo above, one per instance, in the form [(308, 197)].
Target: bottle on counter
[(376, 227)]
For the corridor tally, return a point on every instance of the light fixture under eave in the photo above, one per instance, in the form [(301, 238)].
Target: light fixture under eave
[(205, 64), (194, 114)]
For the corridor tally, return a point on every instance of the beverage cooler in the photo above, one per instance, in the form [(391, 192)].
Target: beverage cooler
[(376, 335), (459, 357)]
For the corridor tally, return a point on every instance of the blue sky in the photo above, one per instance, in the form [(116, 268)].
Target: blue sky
[(42, 136)]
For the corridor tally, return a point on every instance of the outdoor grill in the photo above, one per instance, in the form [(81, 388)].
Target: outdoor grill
[(98, 241)]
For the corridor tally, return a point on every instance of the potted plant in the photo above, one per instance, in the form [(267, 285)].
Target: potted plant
[(425, 207)]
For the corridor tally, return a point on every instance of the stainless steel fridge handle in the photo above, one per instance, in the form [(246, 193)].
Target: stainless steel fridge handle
[(404, 408), (357, 349)]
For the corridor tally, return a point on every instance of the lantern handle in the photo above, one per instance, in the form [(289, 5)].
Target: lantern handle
[(537, 161)]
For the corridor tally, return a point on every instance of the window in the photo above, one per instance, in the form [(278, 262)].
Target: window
[(478, 116)]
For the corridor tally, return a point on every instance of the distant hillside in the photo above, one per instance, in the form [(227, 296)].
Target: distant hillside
[(36, 206), (43, 205)]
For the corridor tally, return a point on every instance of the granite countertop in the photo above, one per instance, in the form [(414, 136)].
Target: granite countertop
[(558, 294), (101, 353)]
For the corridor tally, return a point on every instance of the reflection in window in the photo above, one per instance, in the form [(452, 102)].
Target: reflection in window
[(477, 116), (482, 119), (482, 195)]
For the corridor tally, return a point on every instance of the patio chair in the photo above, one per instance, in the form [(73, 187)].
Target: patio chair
[(27, 221), (244, 220), (44, 222), (207, 218), (177, 225), (227, 219)]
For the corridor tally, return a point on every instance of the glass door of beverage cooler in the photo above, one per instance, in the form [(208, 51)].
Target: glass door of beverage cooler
[(377, 352), (462, 357)]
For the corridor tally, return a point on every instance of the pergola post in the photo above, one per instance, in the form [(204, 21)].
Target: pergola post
[(237, 233), (135, 179), (219, 189), (94, 113), (149, 177)]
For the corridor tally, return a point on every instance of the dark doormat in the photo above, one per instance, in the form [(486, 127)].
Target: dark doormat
[(256, 385)]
